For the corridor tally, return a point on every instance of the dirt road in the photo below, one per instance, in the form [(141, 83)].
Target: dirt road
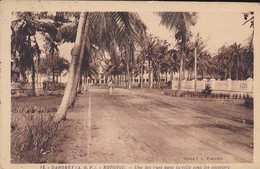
[(138, 127)]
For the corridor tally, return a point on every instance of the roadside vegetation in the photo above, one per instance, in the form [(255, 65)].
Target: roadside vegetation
[(32, 128), (119, 43)]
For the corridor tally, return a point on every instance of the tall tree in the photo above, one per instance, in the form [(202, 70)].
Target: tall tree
[(123, 27), (203, 57), (179, 22), (249, 18), (24, 44), (74, 69)]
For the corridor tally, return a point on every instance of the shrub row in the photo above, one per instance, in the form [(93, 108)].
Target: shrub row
[(34, 109), (229, 96)]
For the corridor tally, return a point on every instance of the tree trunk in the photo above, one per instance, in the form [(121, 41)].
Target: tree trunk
[(32, 67), (166, 78), (159, 78), (33, 80), (73, 71), (142, 75), (171, 75), (53, 81), (126, 80), (149, 71), (79, 89), (188, 77), (183, 68), (180, 75), (128, 72), (230, 74), (21, 76), (237, 74), (82, 53)]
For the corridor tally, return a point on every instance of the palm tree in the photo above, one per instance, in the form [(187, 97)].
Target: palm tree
[(236, 56), (121, 27), (23, 42), (203, 57), (221, 61), (152, 52), (249, 18), (150, 41), (171, 60), (179, 22), (52, 49), (55, 29), (74, 69)]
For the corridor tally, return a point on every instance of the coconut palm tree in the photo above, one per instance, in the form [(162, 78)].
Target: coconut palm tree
[(24, 43), (171, 62), (249, 18), (236, 55), (179, 23), (154, 51), (120, 27), (203, 57)]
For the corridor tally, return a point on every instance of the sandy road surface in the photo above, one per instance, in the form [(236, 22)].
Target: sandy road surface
[(138, 127)]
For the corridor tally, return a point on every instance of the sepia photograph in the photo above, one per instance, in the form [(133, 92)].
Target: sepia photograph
[(130, 87)]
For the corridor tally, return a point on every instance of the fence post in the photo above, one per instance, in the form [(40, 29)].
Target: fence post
[(204, 83), (249, 82), (184, 84), (229, 83), (212, 83), (193, 84)]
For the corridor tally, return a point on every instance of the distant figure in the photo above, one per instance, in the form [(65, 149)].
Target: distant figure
[(110, 86)]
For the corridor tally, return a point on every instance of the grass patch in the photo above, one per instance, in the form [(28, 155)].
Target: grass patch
[(32, 127)]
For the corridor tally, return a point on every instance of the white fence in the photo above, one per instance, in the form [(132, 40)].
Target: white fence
[(217, 86)]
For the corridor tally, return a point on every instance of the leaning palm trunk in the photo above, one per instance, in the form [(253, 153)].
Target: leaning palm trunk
[(74, 72), (78, 75)]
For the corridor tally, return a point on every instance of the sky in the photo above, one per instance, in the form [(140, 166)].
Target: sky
[(216, 29)]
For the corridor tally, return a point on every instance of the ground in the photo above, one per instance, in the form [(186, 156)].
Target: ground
[(140, 127)]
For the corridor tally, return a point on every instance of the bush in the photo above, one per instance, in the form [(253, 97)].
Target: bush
[(220, 95), (30, 136), (244, 96), (228, 95), (167, 91), (34, 109), (188, 93), (207, 91), (249, 102), (235, 96), (32, 127)]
